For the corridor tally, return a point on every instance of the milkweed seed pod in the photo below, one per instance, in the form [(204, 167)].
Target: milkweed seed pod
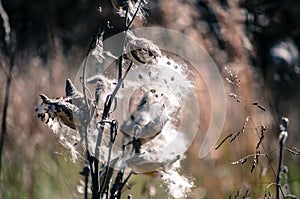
[(150, 108), (142, 51), (63, 110)]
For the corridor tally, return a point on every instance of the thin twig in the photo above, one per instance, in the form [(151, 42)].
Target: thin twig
[(244, 159), (114, 128), (134, 15), (128, 25), (242, 130), (227, 137), (85, 173), (282, 139), (292, 151)]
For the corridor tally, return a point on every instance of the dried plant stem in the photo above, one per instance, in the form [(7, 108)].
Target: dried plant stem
[(114, 130), (97, 192), (281, 143), (86, 187), (5, 106), (264, 150), (11, 49), (85, 172), (244, 159), (128, 25)]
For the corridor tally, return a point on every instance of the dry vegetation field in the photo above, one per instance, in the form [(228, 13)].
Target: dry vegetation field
[(51, 40)]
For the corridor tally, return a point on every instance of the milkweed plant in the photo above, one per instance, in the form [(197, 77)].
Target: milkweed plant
[(122, 111)]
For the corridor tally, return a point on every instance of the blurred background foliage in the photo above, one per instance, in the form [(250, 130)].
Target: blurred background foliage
[(256, 40)]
